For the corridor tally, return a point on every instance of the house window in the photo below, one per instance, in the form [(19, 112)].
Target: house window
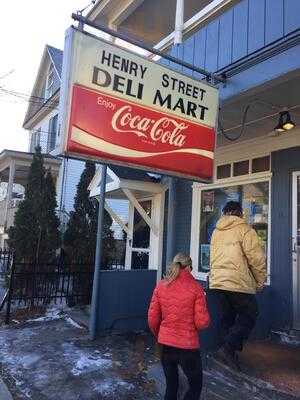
[(255, 199), (52, 133), (224, 171), (35, 140), (260, 164), (49, 83), (241, 168), (244, 167)]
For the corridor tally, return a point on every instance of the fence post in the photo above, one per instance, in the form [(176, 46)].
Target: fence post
[(10, 293)]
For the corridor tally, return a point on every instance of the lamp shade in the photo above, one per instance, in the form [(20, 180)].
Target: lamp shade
[(285, 122), (288, 124)]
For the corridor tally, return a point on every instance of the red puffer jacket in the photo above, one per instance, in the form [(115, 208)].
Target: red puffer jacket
[(178, 311)]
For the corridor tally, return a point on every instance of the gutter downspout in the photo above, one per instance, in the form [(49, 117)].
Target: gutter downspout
[(179, 22)]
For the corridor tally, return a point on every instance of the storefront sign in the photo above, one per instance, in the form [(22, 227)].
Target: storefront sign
[(121, 108)]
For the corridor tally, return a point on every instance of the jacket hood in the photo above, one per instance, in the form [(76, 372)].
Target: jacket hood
[(229, 221)]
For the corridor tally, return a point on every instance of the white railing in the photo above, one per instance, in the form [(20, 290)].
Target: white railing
[(2, 212), (8, 221)]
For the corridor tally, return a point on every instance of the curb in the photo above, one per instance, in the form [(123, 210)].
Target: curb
[(4, 392)]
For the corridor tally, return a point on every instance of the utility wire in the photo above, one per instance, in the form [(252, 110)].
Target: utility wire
[(30, 102), (7, 74), (30, 99)]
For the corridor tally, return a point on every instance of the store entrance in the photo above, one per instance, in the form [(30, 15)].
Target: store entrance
[(296, 249)]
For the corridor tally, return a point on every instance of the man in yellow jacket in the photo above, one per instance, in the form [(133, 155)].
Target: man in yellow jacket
[(238, 271)]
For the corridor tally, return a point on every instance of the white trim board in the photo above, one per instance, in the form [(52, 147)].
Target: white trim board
[(256, 147)]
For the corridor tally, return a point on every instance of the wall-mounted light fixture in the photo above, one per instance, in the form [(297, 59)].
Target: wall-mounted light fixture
[(285, 122)]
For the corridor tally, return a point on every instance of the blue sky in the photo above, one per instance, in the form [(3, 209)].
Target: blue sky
[(27, 27)]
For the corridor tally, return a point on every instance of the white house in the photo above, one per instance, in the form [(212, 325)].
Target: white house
[(42, 122)]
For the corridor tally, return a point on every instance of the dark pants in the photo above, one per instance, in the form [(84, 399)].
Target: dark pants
[(190, 363), (238, 317)]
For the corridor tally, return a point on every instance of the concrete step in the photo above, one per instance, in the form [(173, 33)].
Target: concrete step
[(245, 382)]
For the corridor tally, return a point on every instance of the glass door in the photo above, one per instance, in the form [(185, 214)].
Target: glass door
[(296, 249), (138, 241)]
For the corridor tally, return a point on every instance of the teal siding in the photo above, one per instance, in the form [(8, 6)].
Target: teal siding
[(200, 46), (225, 39), (124, 300), (256, 25), (188, 53), (244, 29), (283, 164), (212, 42), (273, 20), (291, 15), (183, 215), (240, 31)]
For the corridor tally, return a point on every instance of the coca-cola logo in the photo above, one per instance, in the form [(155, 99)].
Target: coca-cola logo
[(163, 130)]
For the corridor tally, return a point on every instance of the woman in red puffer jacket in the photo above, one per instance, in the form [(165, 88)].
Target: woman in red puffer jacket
[(177, 312)]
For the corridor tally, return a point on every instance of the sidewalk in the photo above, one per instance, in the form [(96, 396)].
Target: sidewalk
[(53, 358), (4, 392)]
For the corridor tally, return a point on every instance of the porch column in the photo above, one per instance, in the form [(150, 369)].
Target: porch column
[(9, 189), (171, 221)]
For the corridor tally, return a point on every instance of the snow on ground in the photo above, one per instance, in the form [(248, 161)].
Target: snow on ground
[(52, 357), (84, 361), (111, 386), (54, 313), (16, 362)]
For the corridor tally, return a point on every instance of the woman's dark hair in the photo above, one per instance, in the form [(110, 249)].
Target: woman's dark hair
[(233, 208)]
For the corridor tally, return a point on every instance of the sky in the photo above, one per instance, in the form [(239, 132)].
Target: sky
[(27, 27)]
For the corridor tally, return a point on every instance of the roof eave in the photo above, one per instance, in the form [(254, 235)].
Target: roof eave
[(27, 124), (111, 12)]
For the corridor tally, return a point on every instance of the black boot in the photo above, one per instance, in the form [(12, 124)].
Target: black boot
[(229, 357)]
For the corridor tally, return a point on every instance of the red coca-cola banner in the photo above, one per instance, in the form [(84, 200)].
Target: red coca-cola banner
[(108, 128)]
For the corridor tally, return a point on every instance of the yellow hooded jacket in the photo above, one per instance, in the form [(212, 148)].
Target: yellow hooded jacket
[(237, 259)]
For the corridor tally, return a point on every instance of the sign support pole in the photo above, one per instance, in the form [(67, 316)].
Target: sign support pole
[(171, 220), (95, 310), (142, 45)]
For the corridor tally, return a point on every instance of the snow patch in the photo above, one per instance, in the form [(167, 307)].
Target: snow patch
[(84, 361), (28, 360), (110, 386), (88, 363), (73, 323), (52, 314), (291, 340), (14, 363)]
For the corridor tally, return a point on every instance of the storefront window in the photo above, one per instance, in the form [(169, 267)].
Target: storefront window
[(254, 198)]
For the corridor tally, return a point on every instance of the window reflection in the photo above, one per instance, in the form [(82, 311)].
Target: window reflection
[(254, 198)]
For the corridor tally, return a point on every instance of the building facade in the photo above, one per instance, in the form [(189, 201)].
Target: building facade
[(255, 45)]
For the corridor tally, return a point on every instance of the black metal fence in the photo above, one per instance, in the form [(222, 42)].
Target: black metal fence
[(30, 285), (6, 260), (33, 286)]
